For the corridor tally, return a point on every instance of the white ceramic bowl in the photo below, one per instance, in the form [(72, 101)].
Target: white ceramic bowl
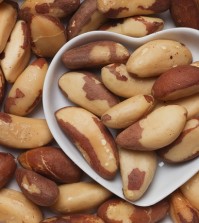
[(168, 177)]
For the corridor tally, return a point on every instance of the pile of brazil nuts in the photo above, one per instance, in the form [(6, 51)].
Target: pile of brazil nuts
[(49, 186)]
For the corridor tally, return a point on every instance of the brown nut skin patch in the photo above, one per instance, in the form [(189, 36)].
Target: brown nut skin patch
[(95, 54), (181, 209), (74, 218), (185, 13), (109, 210), (51, 162), (178, 82), (40, 190), (7, 168), (2, 86)]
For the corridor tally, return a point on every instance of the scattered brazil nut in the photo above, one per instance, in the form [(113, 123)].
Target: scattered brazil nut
[(135, 26), (23, 132), (137, 169), (2, 86), (47, 35), (128, 212), (51, 162), (74, 218), (15, 207), (40, 190), (8, 18), (56, 8), (126, 8), (86, 90), (185, 147), (80, 197), (7, 168), (17, 52), (86, 18), (158, 129), (190, 190), (177, 82), (25, 94), (95, 54), (171, 52), (91, 138), (118, 80), (128, 111), (181, 209)]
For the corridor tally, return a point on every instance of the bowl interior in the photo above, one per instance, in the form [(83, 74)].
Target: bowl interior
[(168, 177)]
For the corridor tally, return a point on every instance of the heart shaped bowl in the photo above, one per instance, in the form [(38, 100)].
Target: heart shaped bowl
[(168, 177)]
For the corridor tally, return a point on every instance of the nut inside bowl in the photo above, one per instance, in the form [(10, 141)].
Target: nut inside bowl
[(167, 177)]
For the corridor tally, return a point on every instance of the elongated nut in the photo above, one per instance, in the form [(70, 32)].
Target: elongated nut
[(128, 212), (17, 52), (185, 147), (135, 26), (42, 161), (181, 210), (56, 8), (86, 18), (7, 168), (95, 54), (128, 111), (2, 86), (86, 90), (137, 170), (15, 207), (126, 8), (190, 190), (47, 35), (158, 129), (91, 137), (172, 54), (8, 18), (26, 92), (74, 218), (40, 190), (23, 132), (178, 82), (80, 197), (117, 79)]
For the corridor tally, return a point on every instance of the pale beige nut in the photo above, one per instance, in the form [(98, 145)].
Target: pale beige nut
[(80, 197), (117, 79), (128, 212), (86, 18), (137, 170), (23, 132), (47, 35), (95, 54), (51, 162), (17, 52), (86, 90), (2, 86), (181, 210), (185, 147), (135, 26), (177, 82), (158, 129), (185, 13), (126, 8), (56, 8), (91, 137), (166, 54), (8, 18), (40, 190), (15, 207), (25, 94), (74, 218), (7, 168), (190, 190), (128, 111)]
